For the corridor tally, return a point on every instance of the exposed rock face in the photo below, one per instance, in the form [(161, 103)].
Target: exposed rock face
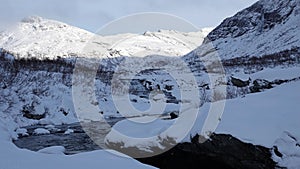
[(260, 84), (265, 28), (240, 83), (222, 151), (261, 16)]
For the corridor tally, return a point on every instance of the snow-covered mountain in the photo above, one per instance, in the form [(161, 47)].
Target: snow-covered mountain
[(267, 27), (36, 37)]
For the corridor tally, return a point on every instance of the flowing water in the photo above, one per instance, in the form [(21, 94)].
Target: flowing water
[(76, 142)]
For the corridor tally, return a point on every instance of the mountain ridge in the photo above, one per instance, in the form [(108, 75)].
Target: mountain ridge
[(36, 37)]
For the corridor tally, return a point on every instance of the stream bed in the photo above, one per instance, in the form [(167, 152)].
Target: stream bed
[(74, 142)]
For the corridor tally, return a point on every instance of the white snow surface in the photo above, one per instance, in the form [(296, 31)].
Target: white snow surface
[(261, 118), (289, 146), (271, 74), (13, 157), (53, 150)]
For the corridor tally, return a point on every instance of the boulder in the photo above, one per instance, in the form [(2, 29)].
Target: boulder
[(221, 151)]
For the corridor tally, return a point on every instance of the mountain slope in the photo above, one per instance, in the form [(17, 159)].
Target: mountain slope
[(266, 27), (35, 37), (262, 36)]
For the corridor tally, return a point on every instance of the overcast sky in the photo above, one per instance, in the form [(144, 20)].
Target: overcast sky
[(93, 14)]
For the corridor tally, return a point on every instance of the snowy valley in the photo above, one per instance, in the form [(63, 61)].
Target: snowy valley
[(240, 79)]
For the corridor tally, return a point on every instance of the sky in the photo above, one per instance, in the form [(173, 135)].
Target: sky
[(91, 15)]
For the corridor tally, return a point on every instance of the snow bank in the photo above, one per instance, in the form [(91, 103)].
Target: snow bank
[(152, 135), (261, 118), (135, 134), (265, 119), (289, 147), (12, 157), (53, 150), (271, 74)]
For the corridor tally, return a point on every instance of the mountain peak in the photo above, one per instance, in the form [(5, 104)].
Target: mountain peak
[(43, 38), (37, 23), (32, 19)]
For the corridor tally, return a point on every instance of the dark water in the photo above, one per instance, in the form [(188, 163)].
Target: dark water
[(76, 142)]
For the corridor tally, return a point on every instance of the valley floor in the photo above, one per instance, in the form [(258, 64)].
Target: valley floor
[(270, 119)]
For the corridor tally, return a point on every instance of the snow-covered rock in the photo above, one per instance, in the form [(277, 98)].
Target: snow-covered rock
[(40, 131), (69, 131), (286, 150), (22, 131)]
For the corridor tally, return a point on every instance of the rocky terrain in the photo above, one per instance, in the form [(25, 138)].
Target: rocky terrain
[(222, 151)]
